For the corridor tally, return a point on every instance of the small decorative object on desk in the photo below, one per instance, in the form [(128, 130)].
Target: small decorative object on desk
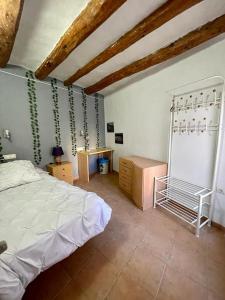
[(57, 152)]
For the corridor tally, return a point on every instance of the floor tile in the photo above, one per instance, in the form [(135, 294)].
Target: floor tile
[(97, 277), (75, 262), (216, 244), (128, 259), (216, 277), (72, 291), (187, 239), (164, 225), (127, 288), (101, 239), (214, 296), (191, 262), (118, 251), (146, 268), (176, 286), (48, 284), (160, 242)]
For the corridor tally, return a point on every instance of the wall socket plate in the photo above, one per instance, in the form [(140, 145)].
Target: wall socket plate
[(220, 191)]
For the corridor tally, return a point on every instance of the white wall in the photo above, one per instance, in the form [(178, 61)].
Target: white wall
[(141, 111)]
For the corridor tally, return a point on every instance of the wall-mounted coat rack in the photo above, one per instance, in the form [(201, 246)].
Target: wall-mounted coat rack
[(195, 143)]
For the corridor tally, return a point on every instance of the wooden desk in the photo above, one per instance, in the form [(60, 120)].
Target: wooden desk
[(83, 161)]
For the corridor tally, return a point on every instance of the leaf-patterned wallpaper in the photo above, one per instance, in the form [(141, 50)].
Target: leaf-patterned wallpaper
[(26, 109)]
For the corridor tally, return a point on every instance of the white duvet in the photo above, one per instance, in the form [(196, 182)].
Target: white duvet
[(44, 222)]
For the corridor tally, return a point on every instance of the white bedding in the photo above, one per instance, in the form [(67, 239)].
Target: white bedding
[(44, 222)]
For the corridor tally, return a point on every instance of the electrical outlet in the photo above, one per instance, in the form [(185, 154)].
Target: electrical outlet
[(220, 191), (9, 156)]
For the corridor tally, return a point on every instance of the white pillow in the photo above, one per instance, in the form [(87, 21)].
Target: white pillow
[(16, 173)]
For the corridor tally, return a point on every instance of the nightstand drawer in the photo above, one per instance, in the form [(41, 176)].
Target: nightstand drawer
[(64, 168), (62, 171), (68, 179)]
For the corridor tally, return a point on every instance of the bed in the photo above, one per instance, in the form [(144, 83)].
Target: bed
[(43, 222)]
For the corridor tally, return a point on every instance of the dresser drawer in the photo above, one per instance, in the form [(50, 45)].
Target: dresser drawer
[(125, 172), (125, 178), (126, 163), (125, 186)]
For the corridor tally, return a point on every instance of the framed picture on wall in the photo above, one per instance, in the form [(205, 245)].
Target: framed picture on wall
[(110, 127), (119, 138)]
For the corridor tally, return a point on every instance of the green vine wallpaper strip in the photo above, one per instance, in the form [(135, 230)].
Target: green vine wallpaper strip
[(72, 120), (55, 99), (31, 90), (1, 147), (85, 123), (97, 121)]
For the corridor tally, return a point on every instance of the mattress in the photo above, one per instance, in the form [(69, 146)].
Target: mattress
[(43, 222)]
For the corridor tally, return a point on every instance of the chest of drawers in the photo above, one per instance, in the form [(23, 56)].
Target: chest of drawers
[(136, 178)]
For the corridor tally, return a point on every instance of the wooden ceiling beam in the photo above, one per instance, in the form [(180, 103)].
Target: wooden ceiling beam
[(183, 44), (10, 13), (160, 16), (95, 13)]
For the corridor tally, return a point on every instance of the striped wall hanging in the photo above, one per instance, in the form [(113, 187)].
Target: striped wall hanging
[(31, 90), (55, 99), (97, 121), (72, 120), (85, 123)]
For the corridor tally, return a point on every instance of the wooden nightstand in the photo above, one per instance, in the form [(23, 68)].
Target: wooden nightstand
[(62, 171)]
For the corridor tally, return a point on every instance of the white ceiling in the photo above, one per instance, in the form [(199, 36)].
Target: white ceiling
[(43, 22)]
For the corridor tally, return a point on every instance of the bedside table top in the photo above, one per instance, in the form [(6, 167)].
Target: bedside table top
[(53, 165)]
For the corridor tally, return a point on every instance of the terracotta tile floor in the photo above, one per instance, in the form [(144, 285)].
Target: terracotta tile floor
[(140, 255)]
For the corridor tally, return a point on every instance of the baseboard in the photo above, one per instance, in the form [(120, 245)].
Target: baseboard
[(219, 226), (75, 178)]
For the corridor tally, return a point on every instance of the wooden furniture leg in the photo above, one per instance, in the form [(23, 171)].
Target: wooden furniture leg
[(110, 158), (83, 167)]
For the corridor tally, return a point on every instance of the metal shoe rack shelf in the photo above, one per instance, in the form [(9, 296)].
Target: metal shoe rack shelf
[(190, 202), (183, 199)]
